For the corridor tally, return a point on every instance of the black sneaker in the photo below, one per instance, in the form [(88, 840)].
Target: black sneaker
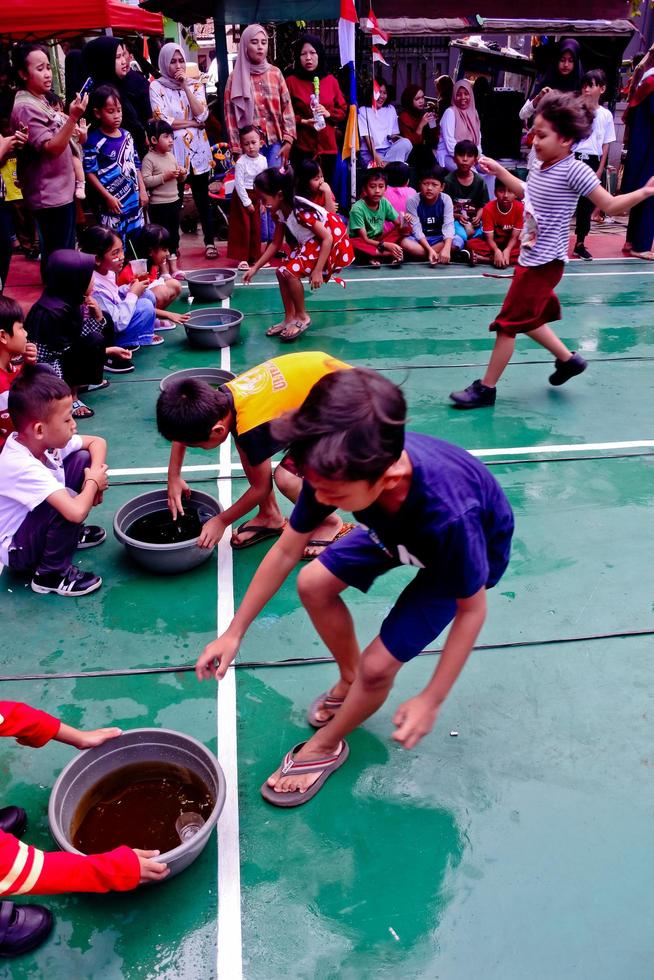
[(13, 820), (582, 252), (475, 395), (463, 255), (564, 370), (23, 928), (118, 365), (91, 536), (72, 582)]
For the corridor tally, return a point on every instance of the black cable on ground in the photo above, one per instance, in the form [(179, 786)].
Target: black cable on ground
[(312, 661)]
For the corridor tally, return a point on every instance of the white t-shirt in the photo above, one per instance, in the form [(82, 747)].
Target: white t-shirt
[(603, 131), (379, 125), (25, 482), (245, 170)]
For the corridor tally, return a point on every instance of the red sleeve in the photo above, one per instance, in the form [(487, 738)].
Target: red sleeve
[(28, 725), (488, 217), (307, 218), (408, 126), (338, 105), (26, 870), (519, 214)]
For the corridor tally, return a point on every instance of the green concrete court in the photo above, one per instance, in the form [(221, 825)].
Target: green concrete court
[(520, 848)]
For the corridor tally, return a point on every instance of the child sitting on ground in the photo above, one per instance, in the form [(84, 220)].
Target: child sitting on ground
[(501, 221), (244, 237), (323, 248), (50, 478), (15, 351), (25, 870), (432, 222), (310, 183), (192, 413), (152, 243), (372, 245), (161, 175), (112, 165), (468, 191), (398, 190), (421, 502), (551, 193), (131, 308)]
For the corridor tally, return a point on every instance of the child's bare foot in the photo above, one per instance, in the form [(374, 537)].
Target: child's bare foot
[(332, 529), (273, 521), (374, 264), (301, 782), (277, 328), (339, 690), (649, 255)]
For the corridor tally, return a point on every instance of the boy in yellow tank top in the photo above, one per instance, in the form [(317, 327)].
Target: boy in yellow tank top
[(192, 413)]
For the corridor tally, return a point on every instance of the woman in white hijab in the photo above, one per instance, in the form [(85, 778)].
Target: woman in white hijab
[(182, 102)]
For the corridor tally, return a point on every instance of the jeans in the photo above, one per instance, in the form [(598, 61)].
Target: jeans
[(140, 328), (271, 153), (56, 228), (399, 150), (46, 541)]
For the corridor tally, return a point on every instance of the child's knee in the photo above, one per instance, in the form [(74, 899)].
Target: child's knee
[(374, 673), (313, 585)]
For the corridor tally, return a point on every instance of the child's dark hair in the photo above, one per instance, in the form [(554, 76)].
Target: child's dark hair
[(466, 147), (596, 76), (272, 181), (97, 240), (158, 127), (188, 410), (151, 237), (375, 173), (54, 99), (434, 173), (246, 130), (32, 395), (101, 95), (397, 173), (10, 312), (19, 55), (350, 427), (567, 115), (305, 172)]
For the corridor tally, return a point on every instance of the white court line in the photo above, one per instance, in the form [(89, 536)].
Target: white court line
[(229, 954), (579, 447), (393, 279)]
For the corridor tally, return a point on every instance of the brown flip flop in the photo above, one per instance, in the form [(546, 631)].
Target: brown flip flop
[(324, 702), (325, 766), (319, 543)]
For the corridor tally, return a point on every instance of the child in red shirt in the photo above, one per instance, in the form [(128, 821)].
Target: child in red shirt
[(13, 345), (502, 221), (25, 870)]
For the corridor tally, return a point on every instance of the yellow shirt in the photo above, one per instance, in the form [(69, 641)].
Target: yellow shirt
[(267, 391)]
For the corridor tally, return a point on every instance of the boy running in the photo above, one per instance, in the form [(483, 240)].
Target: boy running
[(551, 193), (422, 502)]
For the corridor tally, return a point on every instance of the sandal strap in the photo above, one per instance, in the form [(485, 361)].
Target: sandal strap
[(291, 765), (331, 702)]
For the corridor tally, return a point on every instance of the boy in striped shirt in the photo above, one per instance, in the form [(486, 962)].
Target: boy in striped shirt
[(551, 193)]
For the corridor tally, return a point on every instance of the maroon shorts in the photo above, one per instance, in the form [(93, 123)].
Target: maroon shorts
[(531, 300)]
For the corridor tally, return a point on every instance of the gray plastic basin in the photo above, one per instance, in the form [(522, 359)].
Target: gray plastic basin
[(212, 376), (137, 746), (164, 559), (213, 328), (211, 285)]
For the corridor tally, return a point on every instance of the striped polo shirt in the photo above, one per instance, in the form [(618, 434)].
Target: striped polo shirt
[(551, 197)]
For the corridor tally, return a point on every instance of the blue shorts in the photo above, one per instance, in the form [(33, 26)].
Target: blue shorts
[(420, 614)]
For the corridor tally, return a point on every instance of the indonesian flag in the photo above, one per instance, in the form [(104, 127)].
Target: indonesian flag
[(370, 23), (375, 93), (346, 25), (377, 56)]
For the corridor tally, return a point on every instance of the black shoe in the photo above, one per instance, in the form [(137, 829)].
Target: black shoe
[(91, 536), (72, 582), (118, 365), (475, 395), (13, 820), (582, 252), (564, 370), (23, 927), (463, 255)]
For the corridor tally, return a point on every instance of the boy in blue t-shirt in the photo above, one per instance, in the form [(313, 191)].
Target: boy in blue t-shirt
[(421, 502), (432, 221)]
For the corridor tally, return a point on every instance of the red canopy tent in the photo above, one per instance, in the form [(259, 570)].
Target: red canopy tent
[(65, 18)]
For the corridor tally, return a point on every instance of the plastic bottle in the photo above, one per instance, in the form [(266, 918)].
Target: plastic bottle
[(318, 118)]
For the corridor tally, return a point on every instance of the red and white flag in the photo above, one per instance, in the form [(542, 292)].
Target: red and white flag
[(346, 25), (377, 56), (370, 23)]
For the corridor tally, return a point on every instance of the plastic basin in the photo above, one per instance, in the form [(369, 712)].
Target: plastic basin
[(164, 559), (211, 285), (213, 328), (212, 376), (140, 745)]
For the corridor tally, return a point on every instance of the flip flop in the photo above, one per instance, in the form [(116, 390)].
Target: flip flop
[(290, 338), (325, 767), (86, 388), (319, 543), (324, 702), (77, 405), (260, 534)]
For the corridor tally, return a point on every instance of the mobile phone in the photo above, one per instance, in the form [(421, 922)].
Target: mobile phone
[(86, 87)]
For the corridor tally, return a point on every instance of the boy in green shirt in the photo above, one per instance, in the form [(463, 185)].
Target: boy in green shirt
[(372, 245)]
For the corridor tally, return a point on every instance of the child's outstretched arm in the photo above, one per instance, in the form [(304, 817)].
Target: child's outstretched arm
[(177, 487), (261, 484), (269, 252), (622, 202), (417, 716), (326, 242), (514, 184)]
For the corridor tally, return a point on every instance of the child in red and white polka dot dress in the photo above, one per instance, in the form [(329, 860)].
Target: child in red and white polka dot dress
[(323, 248)]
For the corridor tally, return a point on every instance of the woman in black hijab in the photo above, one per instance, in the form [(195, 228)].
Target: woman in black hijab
[(106, 60), (565, 72), (309, 70)]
